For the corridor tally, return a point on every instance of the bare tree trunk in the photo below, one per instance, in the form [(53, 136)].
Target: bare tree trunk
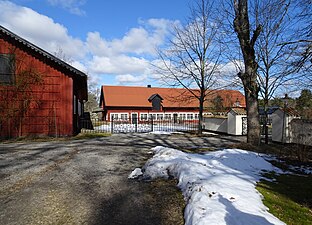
[(265, 122), (201, 110), (253, 123), (249, 76)]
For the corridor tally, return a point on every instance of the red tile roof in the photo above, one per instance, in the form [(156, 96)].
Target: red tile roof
[(129, 96), (230, 98)]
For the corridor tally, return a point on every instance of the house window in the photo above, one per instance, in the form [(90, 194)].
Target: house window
[(182, 116), (79, 108), (7, 69), (189, 116), (160, 116), (124, 116), (114, 116), (143, 116), (156, 101), (167, 116)]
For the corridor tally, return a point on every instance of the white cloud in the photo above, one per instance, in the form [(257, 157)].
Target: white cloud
[(128, 58), (228, 75), (120, 64), (231, 68), (78, 65), (73, 6), (129, 79), (40, 30), (140, 40), (99, 46), (124, 55)]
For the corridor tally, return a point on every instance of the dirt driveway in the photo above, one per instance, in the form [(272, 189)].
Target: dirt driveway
[(85, 181)]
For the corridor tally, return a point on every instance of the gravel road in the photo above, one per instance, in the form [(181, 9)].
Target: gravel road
[(85, 181)]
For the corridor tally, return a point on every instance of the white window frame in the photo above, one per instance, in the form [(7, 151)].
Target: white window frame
[(159, 116), (145, 115), (189, 116), (167, 116), (115, 115), (125, 115)]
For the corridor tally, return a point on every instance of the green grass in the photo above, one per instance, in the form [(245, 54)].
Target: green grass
[(91, 135), (289, 198)]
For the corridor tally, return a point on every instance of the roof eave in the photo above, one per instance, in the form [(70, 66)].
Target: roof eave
[(40, 51)]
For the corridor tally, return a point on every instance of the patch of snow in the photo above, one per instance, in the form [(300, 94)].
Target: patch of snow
[(161, 132), (135, 173), (210, 133), (165, 132), (291, 169), (219, 187), (301, 169)]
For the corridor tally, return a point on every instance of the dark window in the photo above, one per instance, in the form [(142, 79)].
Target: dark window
[(156, 103), (7, 68)]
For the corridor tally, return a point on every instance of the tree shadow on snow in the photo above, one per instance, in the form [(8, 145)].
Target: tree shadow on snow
[(235, 216)]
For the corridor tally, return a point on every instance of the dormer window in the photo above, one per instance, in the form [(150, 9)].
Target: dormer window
[(156, 101)]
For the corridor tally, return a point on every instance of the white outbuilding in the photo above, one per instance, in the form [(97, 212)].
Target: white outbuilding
[(281, 119), (237, 121)]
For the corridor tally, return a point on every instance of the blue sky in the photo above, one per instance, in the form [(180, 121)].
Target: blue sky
[(111, 18), (112, 41)]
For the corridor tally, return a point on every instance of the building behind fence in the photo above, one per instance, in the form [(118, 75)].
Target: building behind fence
[(135, 125), (301, 131), (234, 123)]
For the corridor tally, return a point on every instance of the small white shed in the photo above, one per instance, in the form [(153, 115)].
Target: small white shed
[(281, 119), (236, 118)]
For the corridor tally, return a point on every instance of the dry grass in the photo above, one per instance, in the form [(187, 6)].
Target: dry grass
[(171, 204), (49, 139)]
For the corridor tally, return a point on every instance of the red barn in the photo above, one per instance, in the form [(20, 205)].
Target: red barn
[(39, 93), (124, 102)]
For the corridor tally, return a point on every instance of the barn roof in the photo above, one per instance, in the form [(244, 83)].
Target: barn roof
[(230, 98), (129, 96), (38, 52)]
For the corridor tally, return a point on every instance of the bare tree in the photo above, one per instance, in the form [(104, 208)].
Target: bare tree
[(273, 57), (93, 97), (193, 57), (299, 43), (302, 40), (281, 60), (249, 75), (59, 53)]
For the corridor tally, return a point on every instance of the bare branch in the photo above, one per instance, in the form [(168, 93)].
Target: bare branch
[(193, 55)]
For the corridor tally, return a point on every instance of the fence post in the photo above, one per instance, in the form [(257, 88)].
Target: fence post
[(112, 124), (152, 122), (136, 120)]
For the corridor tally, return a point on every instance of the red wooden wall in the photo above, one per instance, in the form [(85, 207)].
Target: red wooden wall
[(39, 103)]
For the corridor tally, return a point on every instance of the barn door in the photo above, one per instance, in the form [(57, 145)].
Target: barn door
[(134, 117), (175, 118)]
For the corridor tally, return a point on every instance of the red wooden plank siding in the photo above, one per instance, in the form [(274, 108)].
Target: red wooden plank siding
[(51, 99)]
